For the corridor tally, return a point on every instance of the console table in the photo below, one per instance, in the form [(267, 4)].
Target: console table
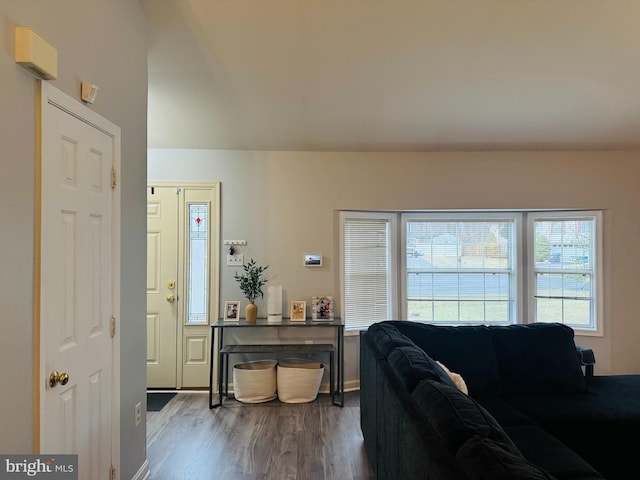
[(301, 348)]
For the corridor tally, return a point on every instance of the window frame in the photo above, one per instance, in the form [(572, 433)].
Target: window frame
[(597, 310), (524, 262), (470, 216)]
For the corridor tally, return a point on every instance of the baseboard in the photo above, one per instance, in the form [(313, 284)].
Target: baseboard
[(350, 386), (143, 473)]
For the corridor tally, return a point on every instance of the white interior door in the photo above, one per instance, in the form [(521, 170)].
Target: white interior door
[(162, 287), (78, 274)]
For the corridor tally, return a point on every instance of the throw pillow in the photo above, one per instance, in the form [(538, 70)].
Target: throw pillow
[(456, 378)]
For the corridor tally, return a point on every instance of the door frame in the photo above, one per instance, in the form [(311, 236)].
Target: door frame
[(214, 265), (49, 95)]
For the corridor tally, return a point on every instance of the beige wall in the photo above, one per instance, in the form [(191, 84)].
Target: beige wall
[(284, 204), (104, 42)]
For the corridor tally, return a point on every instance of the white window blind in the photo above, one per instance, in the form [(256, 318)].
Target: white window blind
[(368, 268)]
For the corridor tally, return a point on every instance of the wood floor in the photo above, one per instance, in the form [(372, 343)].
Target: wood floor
[(273, 440)]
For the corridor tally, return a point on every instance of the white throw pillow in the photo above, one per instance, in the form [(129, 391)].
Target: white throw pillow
[(456, 378)]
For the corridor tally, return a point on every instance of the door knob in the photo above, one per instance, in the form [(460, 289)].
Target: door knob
[(171, 298), (58, 378)]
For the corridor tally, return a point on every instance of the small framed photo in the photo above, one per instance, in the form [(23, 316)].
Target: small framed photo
[(231, 311), (298, 311), (322, 308), (312, 260)]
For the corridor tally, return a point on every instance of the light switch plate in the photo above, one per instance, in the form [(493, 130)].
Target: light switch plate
[(236, 260)]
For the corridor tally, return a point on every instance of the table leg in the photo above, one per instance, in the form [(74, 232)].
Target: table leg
[(339, 390), (211, 405), (332, 385)]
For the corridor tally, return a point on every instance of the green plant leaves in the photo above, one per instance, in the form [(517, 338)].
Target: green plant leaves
[(251, 280)]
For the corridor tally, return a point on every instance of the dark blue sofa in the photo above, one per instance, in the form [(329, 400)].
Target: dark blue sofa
[(530, 412)]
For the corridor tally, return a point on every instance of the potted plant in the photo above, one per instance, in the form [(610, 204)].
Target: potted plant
[(251, 282)]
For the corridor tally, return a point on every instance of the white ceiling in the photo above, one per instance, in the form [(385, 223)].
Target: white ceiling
[(394, 75)]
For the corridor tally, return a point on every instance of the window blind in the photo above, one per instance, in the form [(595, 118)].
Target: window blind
[(367, 270)]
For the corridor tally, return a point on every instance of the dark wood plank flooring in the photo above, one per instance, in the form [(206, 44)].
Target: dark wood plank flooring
[(273, 440)]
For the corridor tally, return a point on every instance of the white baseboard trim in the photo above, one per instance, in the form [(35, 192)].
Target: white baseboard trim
[(143, 473)]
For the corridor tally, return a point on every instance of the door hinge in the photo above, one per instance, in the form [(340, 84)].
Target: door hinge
[(114, 178), (113, 326), (112, 473)]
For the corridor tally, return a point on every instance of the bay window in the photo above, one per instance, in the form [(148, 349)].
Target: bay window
[(457, 268)]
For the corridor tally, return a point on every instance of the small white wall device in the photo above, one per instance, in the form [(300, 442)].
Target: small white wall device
[(88, 92)]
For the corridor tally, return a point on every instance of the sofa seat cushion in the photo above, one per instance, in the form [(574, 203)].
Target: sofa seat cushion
[(467, 350), (601, 424), (411, 365), (537, 359), (484, 459), (549, 453), (606, 401), (504, 413), (456, 417)]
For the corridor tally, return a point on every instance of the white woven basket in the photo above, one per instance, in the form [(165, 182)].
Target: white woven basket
[(255, 382), (299, 380)]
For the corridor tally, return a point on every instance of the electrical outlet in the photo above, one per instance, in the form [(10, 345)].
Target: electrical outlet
[(138, 413), (236, 260)]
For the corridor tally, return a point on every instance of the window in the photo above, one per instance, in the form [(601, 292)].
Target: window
[(198, 264), (459, 268), (368, 283), (565, 277)]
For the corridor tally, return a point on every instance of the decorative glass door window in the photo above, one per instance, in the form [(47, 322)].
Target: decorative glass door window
[(197, 266)]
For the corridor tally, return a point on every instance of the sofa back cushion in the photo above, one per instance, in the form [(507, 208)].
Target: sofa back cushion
[(385, 336), (465, 350), (456, 417), (538, 358), (411, 365)]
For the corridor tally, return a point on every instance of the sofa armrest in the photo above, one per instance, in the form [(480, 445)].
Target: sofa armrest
[(587, 359)]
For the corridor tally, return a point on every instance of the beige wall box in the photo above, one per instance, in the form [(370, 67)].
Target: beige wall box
[(35, 54), (88, 92)]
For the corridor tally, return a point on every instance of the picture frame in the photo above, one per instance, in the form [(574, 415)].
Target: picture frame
[(298, 311), (232, 311), (312, 260), (322, 308)]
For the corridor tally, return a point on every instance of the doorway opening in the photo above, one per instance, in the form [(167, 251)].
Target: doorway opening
[(183, 225)]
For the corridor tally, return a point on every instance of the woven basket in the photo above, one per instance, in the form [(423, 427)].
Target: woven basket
[(255, 382), (299, 380)]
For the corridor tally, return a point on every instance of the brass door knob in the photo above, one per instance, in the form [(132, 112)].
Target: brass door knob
[(171, 298), (58, 378)]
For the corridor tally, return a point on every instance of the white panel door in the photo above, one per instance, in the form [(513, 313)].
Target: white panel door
[(162, 287), (76, 291)]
